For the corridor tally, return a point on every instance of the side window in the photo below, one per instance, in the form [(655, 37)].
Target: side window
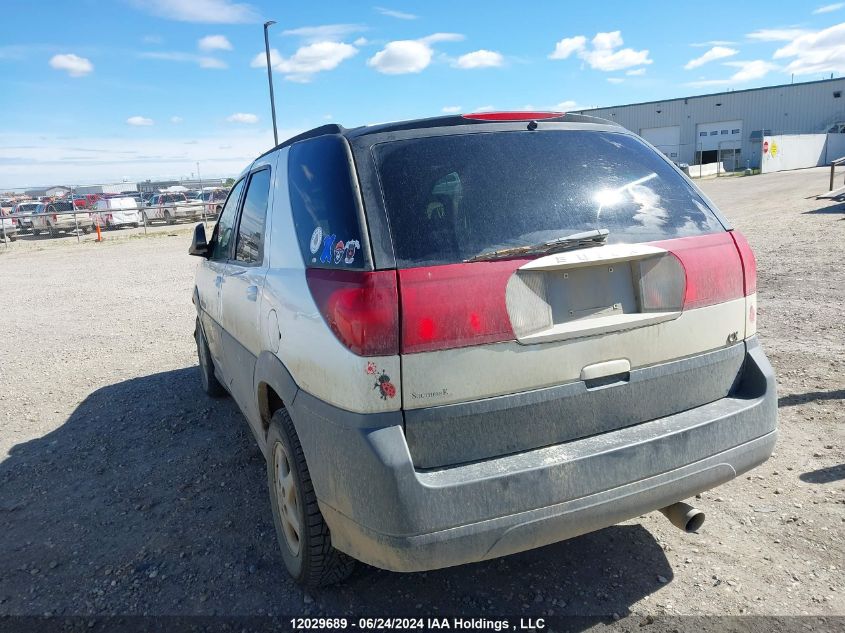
[(323, 203), (249, 248), (222, 237)]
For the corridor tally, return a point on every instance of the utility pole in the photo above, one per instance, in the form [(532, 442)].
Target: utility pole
[(270, 79)]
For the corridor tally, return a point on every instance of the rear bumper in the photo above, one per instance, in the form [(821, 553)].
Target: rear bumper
[(384, 512)]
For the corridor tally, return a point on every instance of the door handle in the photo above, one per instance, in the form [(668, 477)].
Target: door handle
[(252, 293)]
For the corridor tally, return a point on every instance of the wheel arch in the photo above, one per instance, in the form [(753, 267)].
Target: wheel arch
[(275, 388)]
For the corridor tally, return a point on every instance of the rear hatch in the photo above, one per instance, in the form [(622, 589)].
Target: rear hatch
[(508, 345)]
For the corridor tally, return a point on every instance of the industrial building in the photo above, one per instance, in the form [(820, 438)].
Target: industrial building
[(729, 127)]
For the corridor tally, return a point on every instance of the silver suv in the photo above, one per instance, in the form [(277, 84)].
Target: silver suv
[(459, 338)]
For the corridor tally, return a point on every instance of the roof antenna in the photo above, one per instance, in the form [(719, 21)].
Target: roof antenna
[(270, 79)]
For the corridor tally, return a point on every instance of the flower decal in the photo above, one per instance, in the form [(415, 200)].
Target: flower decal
[(386, 389)]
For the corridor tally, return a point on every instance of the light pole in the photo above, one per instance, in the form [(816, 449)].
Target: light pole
[(270, 79)]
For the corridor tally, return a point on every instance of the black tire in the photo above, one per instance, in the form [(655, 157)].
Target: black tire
[(210, 384), (310, 560), (169, 218), (36, 232), (145, 219)]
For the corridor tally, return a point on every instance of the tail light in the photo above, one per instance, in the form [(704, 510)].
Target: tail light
[(361, 308), (749, 262), (712, 268), (456, 305)]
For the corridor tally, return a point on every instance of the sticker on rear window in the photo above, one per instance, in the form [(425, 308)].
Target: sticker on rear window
[(351, 247), (316, 240), (339, 248), (328, 244)]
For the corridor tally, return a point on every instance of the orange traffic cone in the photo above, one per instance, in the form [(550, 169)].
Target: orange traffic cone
[(99, 235)]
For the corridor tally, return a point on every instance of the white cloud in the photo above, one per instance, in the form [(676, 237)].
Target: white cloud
[(815, 52), (713, 43), (204, 11), (615, 80), (829, 8), (604, 53), (748, 71), (717, 52), (636, 72), (307, 60), (139, 121), (484, 108), (409, 56), (74, 65), (242, 117), (203, 61), (451, 109), (567, 46), (567, 106), (361, 41), (400, 15), (775, 35), (479, 59), (176, 120), (325, 32), (214, 43)]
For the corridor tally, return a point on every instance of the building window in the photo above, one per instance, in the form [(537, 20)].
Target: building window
[(714, 133), (735, 131), (837, 94), (724, 131), (702, 133)]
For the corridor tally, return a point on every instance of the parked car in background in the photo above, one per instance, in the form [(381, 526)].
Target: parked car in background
[(112, 213), (213, 200), (8, 226), (58, 217), (522, 328), (170, 207), (86, 200), (21, 213)]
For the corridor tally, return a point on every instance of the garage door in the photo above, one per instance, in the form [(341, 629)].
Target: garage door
[(667, 139), (709, 136)]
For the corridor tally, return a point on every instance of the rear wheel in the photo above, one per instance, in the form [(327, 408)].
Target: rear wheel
[(36, 232), (168, 218), (210, 384), (304, 537)]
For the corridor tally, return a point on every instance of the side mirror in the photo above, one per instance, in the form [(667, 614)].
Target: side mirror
[(199, 245)]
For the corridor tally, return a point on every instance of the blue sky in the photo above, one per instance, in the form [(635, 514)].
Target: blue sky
[(101, 90)]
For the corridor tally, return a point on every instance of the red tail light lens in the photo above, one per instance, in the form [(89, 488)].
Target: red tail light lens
[(749, 262), (456, 305), (712, 267), (361, 308)]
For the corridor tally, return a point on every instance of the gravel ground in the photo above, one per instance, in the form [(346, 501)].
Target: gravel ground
[(124, 490)]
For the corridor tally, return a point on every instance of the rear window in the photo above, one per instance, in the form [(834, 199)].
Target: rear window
[(450, 198), (323, 204)]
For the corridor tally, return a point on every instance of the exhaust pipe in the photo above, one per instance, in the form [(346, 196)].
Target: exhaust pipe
[(684, 517)]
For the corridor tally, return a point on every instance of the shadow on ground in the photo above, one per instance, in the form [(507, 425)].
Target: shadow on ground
[(151, 498), (810, 396), (824, 475)]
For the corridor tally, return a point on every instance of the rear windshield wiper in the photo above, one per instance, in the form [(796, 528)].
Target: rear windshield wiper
[(568, 242)]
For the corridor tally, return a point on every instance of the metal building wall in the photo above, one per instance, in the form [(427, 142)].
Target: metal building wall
[(800, 108)]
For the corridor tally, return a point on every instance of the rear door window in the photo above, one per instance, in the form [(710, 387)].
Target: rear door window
[(450, 198), (322, 200), (223, 230), (250, 245)]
